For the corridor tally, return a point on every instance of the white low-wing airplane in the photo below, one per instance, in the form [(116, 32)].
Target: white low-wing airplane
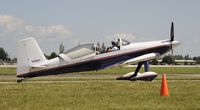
[(32, 62)]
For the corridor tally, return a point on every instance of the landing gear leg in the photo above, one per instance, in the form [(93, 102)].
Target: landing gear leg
[(146, 66), (130, 75), (137, 69)]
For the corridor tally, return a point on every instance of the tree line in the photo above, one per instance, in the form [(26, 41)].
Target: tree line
[(169, 59)]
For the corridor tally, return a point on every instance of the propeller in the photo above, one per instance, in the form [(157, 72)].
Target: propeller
[(171, 40), (172, 32)]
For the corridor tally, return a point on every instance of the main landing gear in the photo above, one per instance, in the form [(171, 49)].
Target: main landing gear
[(146, 76)]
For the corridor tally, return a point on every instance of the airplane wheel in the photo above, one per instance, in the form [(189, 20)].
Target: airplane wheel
[(19, 80)]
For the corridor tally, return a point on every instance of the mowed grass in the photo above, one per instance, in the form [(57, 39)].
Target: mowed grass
[(123, 95), (123, 70), (100, 94), (7, 71)]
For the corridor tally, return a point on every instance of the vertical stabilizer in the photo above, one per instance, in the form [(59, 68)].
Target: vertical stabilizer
[(28, 54)]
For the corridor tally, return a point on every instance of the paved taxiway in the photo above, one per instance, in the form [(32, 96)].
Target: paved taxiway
[(77, 78)]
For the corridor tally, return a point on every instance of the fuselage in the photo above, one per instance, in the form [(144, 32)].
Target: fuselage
[(101, 61)]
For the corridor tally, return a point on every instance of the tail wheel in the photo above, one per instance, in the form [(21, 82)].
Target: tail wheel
[(19, 80)]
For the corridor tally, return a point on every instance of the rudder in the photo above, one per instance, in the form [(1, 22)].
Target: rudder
[(28, 54)]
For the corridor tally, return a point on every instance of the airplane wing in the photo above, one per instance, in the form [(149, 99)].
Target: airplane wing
[(142, 58)]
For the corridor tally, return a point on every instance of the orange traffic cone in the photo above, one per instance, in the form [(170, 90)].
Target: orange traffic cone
[(164, 88)]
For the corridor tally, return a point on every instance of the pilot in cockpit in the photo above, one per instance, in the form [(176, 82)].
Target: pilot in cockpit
[(115, 44)]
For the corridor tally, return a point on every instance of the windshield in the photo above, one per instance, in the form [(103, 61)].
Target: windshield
[(125, 42)]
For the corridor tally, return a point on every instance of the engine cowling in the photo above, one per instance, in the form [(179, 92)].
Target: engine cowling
[(146, 76)]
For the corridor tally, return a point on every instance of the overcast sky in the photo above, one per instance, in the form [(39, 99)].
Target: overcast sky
[(80, 21)]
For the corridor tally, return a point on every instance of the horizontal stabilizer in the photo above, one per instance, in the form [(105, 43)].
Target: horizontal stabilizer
[(38, 66)]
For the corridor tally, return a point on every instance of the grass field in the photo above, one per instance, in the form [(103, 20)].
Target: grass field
[(123, 70), (100, 94), (7, 71), (123, 95)]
